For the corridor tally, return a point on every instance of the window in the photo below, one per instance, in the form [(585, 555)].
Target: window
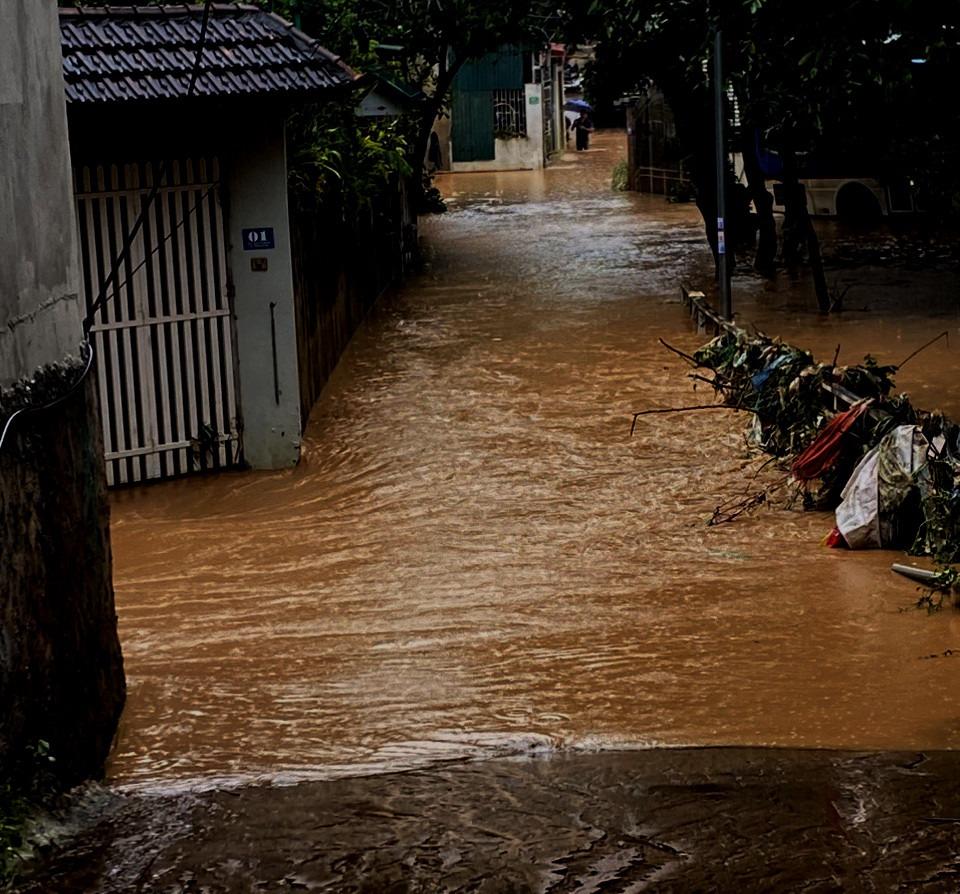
[(509, 113)]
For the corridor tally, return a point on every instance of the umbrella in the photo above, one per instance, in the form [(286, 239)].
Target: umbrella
[(577, 105)]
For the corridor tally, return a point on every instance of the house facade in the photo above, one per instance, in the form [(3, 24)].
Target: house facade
[(195, 330)]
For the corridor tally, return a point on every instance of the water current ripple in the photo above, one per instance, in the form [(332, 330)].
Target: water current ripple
[(475, 558)]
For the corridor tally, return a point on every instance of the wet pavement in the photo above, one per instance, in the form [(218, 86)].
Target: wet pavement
[(474, 560), (730, 820)]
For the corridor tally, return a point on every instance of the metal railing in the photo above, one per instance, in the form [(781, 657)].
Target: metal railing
[(509, 113)]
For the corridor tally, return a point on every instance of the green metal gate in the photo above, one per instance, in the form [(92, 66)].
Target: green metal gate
[(472, 136)]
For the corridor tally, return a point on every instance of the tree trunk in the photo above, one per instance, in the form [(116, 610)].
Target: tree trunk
[(693, 117), (434, 103), (792, 239), (816, 263), (764, 261), (798, 231)]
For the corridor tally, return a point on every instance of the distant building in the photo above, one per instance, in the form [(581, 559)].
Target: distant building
[(386, 97), (506, 112)]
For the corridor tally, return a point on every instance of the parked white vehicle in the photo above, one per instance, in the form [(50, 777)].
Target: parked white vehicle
[(855, 198)]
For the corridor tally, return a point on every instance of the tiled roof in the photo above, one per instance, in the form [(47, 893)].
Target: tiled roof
[(145, 53)]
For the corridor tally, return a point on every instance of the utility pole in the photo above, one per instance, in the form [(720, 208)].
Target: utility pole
[(726, 304)]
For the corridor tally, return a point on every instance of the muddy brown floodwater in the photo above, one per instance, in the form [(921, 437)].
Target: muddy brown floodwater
[(475, 558)]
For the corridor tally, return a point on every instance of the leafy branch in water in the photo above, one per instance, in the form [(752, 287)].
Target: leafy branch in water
[(945, 587)]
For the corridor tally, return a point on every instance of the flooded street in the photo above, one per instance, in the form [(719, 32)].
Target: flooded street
[(475, 558)]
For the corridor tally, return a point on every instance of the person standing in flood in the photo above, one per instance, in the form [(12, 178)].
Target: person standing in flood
[(582, 128)]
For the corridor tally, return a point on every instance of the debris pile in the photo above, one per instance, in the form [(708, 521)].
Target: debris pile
[(890, 471)]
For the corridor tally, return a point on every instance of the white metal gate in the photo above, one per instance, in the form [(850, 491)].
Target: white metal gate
[(163, 336)]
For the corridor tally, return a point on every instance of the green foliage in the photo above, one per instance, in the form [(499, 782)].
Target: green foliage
[(939, 536), (333, 154), (342, 26), (777, 382), (420, 43), (618, 180), (834, 79)]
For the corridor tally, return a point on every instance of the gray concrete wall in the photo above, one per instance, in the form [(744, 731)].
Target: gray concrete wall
[(40, 309), (61, 672), (270, 402)]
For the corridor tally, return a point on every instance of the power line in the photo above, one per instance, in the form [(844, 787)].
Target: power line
[(86, 347), (183, 219), (154, 190)]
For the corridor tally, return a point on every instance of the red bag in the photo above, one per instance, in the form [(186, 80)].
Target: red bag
[(825, 449)]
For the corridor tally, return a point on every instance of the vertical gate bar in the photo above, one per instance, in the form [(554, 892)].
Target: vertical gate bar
[(231, 414), (220, 327), (93, 258), (190, 414), (91, 281), (178, 414), (156, 268), (219, 420), (111, 341), (143, 334), (192, 243), (122, 301)]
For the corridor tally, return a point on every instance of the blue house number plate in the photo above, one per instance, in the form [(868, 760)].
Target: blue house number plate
[(258, 238)]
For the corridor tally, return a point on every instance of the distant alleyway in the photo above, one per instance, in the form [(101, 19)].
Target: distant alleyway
[(475, 560)]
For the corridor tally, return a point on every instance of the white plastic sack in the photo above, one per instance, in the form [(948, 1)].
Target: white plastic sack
[(858, 515), (872, 489)]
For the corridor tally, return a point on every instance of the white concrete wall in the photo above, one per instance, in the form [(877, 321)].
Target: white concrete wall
[(258, 198), (442, 128), (534, 99), (40, 306)]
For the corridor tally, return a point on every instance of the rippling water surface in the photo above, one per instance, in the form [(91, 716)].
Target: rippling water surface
[(474, 556)]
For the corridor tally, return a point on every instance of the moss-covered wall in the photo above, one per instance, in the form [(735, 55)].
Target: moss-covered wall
[(61, 671)]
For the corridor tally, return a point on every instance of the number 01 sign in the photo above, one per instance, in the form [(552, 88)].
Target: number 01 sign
[(258, 239)]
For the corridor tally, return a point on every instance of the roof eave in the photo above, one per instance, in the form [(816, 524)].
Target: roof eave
[(314, 63)]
